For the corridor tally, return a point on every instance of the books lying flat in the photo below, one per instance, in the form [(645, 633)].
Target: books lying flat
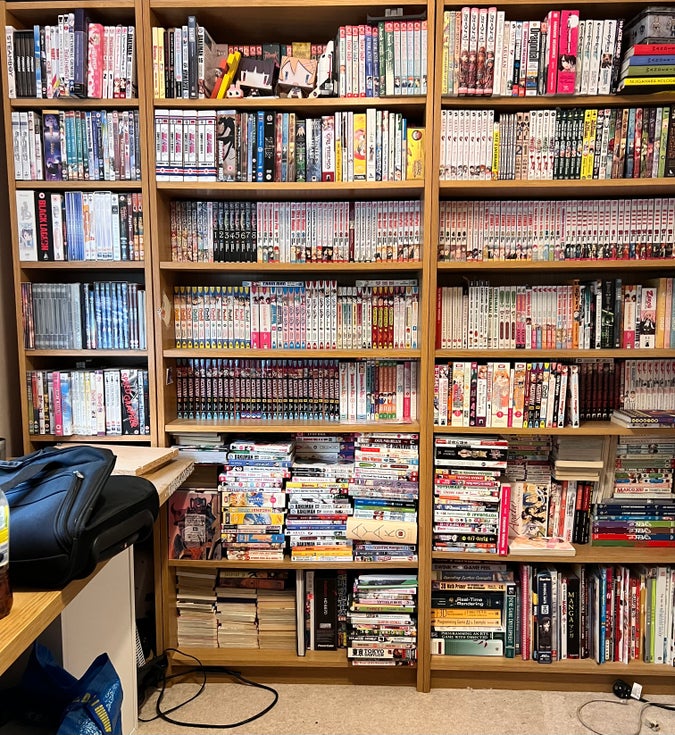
[(545, 546), (650, 418)]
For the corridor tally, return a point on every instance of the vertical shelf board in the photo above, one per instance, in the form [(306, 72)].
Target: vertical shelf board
[(426, 394), (143, 73), (8, 19)]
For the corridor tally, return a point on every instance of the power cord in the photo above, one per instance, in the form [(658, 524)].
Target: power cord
[(626, 692), (201, 669)]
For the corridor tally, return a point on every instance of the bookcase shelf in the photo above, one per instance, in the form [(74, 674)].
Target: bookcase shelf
[(260, 21), (288, 564), (559, 188), (68, 103), (549, 267), (77, 185), (558, 101), (291, 190), (24, 15), (187, 426), (589, 428), (370, 269), (305, 106), (89, 439), (553, 354), (82, 265), (299, 354)]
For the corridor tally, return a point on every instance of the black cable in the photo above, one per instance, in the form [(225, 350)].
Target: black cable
[(201, 669)]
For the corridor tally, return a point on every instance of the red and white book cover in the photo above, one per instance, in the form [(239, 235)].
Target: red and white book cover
[(95, 61), (568, 38), (552, 66)]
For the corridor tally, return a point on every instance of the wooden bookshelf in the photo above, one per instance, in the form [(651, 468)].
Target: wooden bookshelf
[(23, 15), (262, 20)]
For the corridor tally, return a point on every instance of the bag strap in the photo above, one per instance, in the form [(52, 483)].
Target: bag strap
[(29, 470)]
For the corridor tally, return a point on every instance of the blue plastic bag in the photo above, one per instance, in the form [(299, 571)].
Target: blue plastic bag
[(91, 705)]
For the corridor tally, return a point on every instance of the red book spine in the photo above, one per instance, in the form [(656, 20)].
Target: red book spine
[(554, 31)]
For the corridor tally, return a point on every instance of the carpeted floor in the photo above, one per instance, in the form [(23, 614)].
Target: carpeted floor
[(364, 710)]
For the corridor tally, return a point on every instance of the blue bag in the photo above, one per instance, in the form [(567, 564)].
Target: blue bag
[(51, 697)]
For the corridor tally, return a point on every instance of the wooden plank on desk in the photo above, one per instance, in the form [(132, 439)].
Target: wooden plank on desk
[(134, 460), (170, 477)]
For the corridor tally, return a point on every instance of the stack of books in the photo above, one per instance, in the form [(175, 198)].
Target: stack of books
[(276, 619), (236, 615), (578, 458), (382, 623), (318, 509), (196, 605), (650, 418), (648, 63), (254, 502), (471, 500), (384, 490), (473, 609), (641, 509)]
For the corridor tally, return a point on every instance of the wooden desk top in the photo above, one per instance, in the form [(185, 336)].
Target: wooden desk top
[(32, 612)]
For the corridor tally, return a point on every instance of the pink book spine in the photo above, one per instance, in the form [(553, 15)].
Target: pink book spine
[(568, 38), (95, 61), (554, 30), (504, 511), (58, 407)]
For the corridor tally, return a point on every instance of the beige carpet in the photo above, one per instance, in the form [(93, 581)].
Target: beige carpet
[(364, 710)]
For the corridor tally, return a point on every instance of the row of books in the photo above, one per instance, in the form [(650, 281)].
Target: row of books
[(598, 612), (74, 58), (485, 54), (371, 59), (77, 145), (267, 146), (320, 390), (568, 229), (80, 225), (294, 314), (295, 232), (598, 314), (548, 394), (105, 315), (575, 143), (109, 402), (554, 613), (188, 64)]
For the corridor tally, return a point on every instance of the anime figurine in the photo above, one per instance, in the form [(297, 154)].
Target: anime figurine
[(296, 76), (256, 76), (325, 86)]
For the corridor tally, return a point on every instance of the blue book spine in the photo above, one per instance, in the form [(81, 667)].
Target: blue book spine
[(369, 63), (630, 145), (260, 147), (651, 60), (126, 321), (37, 51), (66, 404)]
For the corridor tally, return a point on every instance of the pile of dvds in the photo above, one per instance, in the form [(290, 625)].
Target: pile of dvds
[(318, 504), (196, 605), (382, 629), (469, 495), (254, 501), (384, 490)]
